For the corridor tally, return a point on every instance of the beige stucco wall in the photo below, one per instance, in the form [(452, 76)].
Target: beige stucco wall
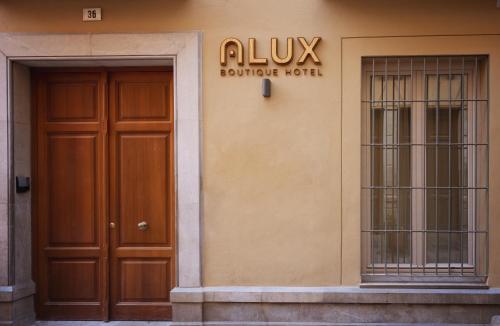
[(272, 168)]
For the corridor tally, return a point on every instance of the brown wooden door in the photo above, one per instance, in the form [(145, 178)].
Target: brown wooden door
[(70, 195), (141, 188), (104, 157)]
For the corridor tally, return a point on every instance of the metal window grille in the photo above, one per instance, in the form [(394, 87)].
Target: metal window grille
[(425, 169)]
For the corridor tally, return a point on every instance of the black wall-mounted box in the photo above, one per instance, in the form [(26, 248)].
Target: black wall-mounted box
[(22, 184)]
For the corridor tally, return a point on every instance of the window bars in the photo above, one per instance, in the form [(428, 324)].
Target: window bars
[(425, 169)]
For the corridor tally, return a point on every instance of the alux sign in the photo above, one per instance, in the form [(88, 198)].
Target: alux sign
[(234, 48)]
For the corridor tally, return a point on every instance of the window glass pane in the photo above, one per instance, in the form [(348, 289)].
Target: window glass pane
[(451, 90), (446, 180), (391, 164)]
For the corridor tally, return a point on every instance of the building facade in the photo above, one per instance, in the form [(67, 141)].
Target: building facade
[(221, 162)]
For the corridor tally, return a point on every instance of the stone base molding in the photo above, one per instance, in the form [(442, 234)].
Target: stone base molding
[(332, 306), (312, 324), (16, 305)]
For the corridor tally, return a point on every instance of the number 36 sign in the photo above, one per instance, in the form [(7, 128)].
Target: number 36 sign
[(90, 14)]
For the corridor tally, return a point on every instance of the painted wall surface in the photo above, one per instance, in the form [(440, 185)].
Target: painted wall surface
[(272, 168)]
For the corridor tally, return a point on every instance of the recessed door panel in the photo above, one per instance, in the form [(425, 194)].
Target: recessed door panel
[(146, 280), (72, 99), (72, 189), (143, 188), (73, 280), (143, 99)]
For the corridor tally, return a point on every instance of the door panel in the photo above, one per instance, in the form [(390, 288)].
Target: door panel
[(143, 100), (69, 200), (72, 189), (146, 280), (72, 100), (141, 172), (141, 190), (65, 273)]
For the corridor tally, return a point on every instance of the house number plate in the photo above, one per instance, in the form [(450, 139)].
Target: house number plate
[(91, 14)]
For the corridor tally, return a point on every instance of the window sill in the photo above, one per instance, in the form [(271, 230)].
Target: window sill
[(422, 285), (444, 281)]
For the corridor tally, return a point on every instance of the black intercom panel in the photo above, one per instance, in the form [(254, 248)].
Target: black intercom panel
[(22, 184)]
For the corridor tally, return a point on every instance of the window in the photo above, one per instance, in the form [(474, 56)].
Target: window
[(425, 169)]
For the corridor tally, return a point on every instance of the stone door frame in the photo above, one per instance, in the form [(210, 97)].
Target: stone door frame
[(183, 50)]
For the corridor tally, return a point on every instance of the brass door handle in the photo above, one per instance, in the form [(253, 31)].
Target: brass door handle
[(112, 225), (143, 226)]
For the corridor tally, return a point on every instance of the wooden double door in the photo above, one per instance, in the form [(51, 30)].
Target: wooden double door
[(103, 194)]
